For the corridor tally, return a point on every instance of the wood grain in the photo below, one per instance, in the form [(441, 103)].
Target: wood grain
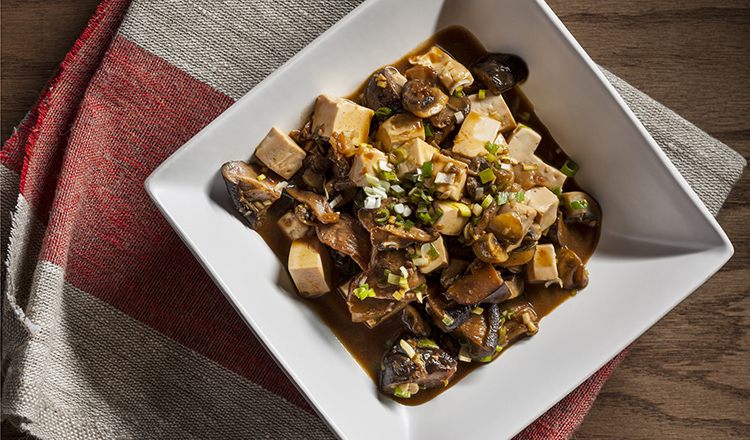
[(689, 376)]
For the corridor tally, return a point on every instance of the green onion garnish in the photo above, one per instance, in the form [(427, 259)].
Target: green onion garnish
[(436, 215), (408, 224), (463, 209), (486, 175), (486, 202), (383, 112), (486, 359), (397, 155), (427, 169), (404, 394), (427, 343), (520, 196), (569, 168), (363, 291), (420, 288), (502, 198), (481, 94), (447, 320), (492, 148), (579, 204), (434, 254), (390, 175), (424, 218), (428, 130), (491, 158), (557, 191), (498, 349), (261, 177), (382, 215)]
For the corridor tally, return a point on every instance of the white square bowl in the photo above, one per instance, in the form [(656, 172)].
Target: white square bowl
[(658, 242)]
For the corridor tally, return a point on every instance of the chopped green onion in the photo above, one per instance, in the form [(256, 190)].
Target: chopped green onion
[(458, 93), (427, 343), (434, 254), (477, 209), (579, 204), (486, 359), (372, 180), (463, 209), (520, 196), (427, 169), (261, 177), (398, 295), (364, 291), (447, 320), (397, 155), (428, 130), (398, 190), (394, 279), (383, 112), (491, 157), (436, 215), (481, 93), (477, 310), (502, 198), (424, 218), (382, 215), (390, 175), (486, 175), (421, 287), (486, 202), (569, 168), (408, 224), (491, 147), (404, 284), (408, 349), (420, 261), (404, 394), (557, 191)]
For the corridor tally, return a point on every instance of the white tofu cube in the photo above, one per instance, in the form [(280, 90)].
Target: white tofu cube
[(542, 267), (440, 261), (451, 222), (545, 202), (292, 227), (455, 170), (339, 115), (399, 129), (521, 145), (366, 161), (417, 153), (475, 132), (495, 107), (309, 266), (450, 72), (280, 153)]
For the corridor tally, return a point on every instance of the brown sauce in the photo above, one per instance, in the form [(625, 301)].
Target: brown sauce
[(368, 345)]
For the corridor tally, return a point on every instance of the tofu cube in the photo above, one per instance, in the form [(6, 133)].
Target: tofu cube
[(339, 115), (309, 266), (542, 267), (523, 142), (366, 161), (280, 153), (545, 202), (450, 72), (440, 261), (475, 132), (494, 106), (417, 153), (455, 170), (521, 146), (451, 222), (399, 129), (292, 227)]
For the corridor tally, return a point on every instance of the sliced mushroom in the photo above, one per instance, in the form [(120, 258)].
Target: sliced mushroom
[(571, 270), (426, 74), (369, 310), (383, 89), (480, 332), (452, 271), (519, 319), (515, 284), (414, 321), (454, 112), (581, 208), (348, 237), (315, 203), (404, 371), (520, 255), (499, 72), (251, 194), (391, 261), (558, 232), (480, 283), (489, 250), (421, 99), (384, 235), (446, 314)]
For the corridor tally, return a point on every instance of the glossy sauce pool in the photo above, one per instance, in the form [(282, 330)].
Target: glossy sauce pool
[(368, 345)]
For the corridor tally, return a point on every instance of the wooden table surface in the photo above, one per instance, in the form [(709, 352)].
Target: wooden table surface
[(688, 377)]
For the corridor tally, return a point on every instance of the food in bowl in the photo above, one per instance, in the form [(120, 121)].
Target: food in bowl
[(430, 219)]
